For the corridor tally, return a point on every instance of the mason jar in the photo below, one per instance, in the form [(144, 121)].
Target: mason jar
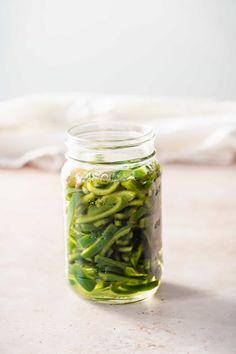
[(112, 203)]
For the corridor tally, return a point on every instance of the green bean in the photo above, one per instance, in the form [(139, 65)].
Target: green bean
[(136, 202), (84, 275), (125, 249), (139, 213), (107, 206), (71, 210), (87, 241), (73, 256), (142, 223), (131, 185), (120, 278), (85, 190), (132, 272), (111, 262), (122, 175), (112, 269), (70, 190), (86, 228), (102, 191), (120, 233), (120, 216), (71, 181), (88, 198), (125, 258), (96, 247), (118, 223), (121, 242), (136, 255), (130, 289), (140, 173), (71, 241), (78, 233), (101, 222)]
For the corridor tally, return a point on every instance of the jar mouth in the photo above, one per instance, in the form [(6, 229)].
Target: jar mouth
[(109, 135), (87, 141)]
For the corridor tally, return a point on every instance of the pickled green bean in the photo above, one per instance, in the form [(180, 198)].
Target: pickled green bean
[(112, 233)]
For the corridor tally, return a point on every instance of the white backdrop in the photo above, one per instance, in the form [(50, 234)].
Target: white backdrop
[(166, 48)]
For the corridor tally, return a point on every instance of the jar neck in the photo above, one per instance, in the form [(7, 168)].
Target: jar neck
[(109, 143)]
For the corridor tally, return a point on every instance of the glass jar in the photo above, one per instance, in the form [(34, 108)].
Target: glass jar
[(112, 203)]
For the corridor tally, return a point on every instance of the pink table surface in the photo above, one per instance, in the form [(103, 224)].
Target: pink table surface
[(193, 312)]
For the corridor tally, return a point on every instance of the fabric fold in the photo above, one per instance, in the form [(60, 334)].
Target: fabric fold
[(32, 128)]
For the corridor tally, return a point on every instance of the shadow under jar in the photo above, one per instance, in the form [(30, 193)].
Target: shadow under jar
[(112, 203)]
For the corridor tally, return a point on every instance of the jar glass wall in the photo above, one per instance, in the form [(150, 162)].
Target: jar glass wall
[(112, 203)]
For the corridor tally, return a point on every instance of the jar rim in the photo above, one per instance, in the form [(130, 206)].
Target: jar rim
[(110, 141), (109, 135)]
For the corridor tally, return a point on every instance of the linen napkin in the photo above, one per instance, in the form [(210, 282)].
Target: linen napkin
[(32, 128)]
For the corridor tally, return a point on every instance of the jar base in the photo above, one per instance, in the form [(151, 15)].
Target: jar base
[(123, 301), (118, 300)]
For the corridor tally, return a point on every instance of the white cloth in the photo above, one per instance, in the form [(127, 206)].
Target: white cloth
[(32, 128)]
